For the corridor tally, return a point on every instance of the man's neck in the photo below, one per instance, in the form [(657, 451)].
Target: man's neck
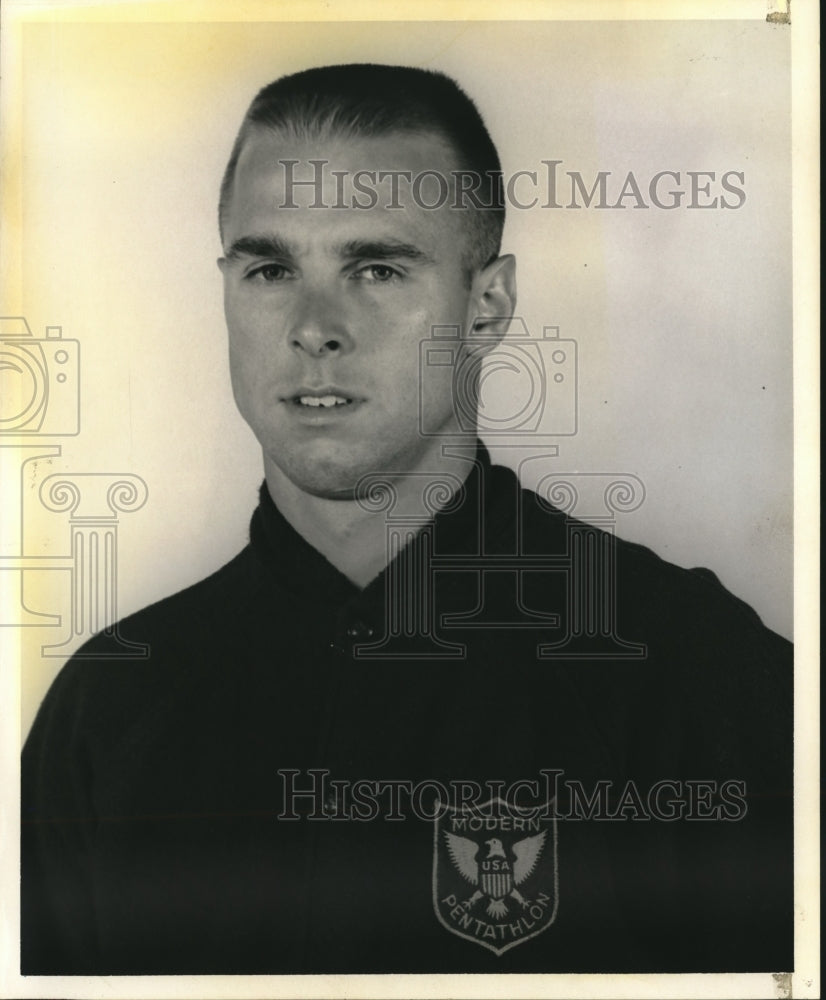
[(350, 533)]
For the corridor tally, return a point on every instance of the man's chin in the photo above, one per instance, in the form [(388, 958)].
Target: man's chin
[(328, 491), (328, 478), (342, 473)]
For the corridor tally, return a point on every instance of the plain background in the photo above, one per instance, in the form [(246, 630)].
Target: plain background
[(682, 318)]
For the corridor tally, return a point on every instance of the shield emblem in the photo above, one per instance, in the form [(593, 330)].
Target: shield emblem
[(495, 878)]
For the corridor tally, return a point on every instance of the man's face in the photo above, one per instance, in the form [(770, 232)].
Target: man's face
[(326, 309)]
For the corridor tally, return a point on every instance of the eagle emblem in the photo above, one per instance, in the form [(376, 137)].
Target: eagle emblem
[(495, 873)]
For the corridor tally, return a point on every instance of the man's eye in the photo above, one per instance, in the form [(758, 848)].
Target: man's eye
[(268, 273), (376, 272)]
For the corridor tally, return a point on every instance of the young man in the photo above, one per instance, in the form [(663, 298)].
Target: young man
[(424, 722)]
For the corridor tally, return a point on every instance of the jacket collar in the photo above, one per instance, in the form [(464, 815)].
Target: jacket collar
[(478, 514)]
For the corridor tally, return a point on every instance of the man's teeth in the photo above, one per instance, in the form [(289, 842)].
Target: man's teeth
[(322, 400)]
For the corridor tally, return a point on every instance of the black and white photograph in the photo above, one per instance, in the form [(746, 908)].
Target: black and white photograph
[(405, 426)]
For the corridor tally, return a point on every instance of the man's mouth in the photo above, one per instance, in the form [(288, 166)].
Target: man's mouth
[(318, 399), (327, 402)]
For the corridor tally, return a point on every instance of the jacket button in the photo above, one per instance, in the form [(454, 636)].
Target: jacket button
[(360, 630)]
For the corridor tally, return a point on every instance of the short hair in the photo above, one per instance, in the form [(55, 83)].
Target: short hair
[(366, 99)]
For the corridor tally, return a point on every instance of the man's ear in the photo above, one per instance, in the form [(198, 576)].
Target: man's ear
[(493, 302)]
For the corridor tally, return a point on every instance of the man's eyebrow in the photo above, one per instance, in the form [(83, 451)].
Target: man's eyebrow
[(375, 249), (258, 246), (384, 249)]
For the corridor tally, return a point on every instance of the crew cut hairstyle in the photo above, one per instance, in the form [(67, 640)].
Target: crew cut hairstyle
[(366, 99)]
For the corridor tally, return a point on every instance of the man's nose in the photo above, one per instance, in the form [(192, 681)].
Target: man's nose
[(319, 325)]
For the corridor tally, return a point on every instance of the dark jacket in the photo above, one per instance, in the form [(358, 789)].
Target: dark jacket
[(161, 832)]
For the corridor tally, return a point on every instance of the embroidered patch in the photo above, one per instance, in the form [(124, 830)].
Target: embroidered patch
[(495, 873)]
